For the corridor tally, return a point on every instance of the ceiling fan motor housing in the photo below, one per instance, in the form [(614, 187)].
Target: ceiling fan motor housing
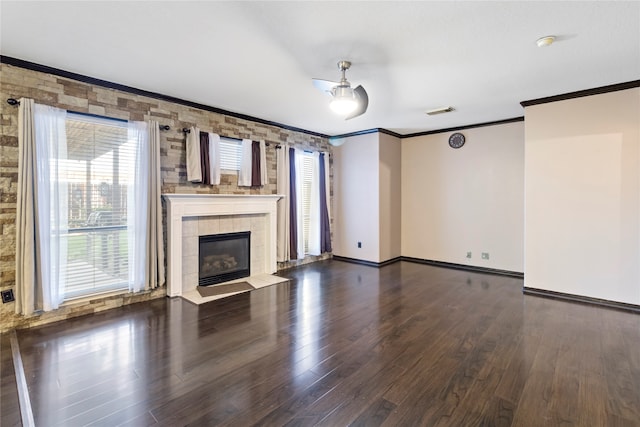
[(343, 91)]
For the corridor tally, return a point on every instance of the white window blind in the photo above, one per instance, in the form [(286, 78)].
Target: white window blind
[(100, 169), (230, 154), (306, 197)]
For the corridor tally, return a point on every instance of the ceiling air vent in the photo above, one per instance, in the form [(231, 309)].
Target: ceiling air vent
[(440, 111)]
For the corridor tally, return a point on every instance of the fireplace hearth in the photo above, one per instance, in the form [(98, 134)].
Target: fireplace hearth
[(224, 257)]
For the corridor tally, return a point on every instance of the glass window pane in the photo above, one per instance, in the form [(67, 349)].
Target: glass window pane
[(99, 172)]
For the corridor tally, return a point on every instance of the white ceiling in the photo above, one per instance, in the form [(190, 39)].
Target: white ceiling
[(258, 58)]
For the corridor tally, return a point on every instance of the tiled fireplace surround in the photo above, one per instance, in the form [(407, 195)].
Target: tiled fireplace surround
[(192, 215)]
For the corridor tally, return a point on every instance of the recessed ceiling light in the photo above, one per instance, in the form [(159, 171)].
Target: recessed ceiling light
[(440, 110), (545, 41)]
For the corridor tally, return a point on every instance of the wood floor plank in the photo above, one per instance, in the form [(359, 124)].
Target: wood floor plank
[(289, 409), (534, 405), (339, 344), (375, 414), (347, 401)]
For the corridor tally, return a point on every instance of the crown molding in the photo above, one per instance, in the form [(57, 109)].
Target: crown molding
[(459, 128), (582, 93)]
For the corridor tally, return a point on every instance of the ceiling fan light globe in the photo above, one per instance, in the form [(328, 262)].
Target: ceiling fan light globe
[(344, 100), (343, 106)]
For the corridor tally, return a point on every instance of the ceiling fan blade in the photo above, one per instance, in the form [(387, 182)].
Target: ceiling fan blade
[(324, 85), (363, 103)]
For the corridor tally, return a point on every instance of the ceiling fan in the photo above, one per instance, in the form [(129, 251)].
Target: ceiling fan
[(345, 100)]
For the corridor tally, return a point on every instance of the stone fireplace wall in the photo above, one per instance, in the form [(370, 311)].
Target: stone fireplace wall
[(75, 95)]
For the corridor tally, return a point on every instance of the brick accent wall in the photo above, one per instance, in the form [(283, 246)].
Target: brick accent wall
[(16, 82)]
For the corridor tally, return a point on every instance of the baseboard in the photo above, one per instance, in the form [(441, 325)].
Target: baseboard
[(582, 299), (473, 268), (367, 263)]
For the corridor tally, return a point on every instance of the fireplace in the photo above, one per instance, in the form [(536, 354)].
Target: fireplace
[(224, 257), (191, 215)]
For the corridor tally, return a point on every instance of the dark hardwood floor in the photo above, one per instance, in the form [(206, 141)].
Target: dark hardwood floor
[(340, 344)]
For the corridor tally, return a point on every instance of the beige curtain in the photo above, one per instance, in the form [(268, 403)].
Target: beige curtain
[(214, 158), (283, 188), (244, 174), (155, 246), (25, 211), (194, 167), (41, 214)]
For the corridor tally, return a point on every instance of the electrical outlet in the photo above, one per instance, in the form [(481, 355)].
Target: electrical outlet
[(7, 296), (359, 244), (469, 255), (485, 255)]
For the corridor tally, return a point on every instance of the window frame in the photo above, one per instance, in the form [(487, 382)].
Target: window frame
[(99, 234)]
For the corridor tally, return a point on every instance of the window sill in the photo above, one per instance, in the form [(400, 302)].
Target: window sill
[(93, 297)]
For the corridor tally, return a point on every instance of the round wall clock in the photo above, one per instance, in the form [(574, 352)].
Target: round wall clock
[(456, 140)]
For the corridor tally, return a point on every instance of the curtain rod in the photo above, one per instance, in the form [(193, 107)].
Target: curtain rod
[(14, 102), (187, 130)]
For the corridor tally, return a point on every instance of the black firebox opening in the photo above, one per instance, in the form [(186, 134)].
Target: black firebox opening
[(224, 257)]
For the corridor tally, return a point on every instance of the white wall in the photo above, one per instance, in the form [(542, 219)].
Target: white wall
[(356, 198), (582, 172), (390, 197), (463, 200)]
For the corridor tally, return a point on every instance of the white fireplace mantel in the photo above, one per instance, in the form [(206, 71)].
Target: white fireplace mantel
[(180, 206)]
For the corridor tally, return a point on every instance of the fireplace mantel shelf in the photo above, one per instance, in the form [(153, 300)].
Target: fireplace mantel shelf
[(219, 204), (186, 196), (180, 206)]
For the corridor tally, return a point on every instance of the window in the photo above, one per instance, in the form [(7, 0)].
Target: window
[(307, 182), (311, 218), (230, 154), (100, 164)]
